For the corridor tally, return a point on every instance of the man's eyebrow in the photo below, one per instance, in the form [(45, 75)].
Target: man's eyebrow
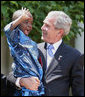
[(46, 23)]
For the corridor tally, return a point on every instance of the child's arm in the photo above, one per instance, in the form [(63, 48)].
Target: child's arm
[(22, 18), (8, 29)]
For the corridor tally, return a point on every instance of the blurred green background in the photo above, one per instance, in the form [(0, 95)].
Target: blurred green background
[(39, 10)]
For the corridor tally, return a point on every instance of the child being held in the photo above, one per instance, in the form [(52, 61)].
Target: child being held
[(24, 50)]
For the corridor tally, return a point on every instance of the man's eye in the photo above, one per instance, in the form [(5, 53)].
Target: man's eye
[(47, 25)]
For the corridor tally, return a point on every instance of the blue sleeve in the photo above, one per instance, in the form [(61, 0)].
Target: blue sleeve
[(7, 30), (12, 36)]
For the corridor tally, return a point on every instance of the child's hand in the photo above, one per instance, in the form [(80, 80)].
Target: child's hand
[(25, 14)]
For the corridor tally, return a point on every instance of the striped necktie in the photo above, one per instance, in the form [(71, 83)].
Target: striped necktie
[(50, 47)]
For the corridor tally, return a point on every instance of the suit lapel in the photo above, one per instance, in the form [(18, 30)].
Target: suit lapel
[(45, 53), (55, 61), (42, 53)]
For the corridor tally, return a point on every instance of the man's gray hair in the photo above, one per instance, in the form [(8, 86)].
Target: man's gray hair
[(62, 20)]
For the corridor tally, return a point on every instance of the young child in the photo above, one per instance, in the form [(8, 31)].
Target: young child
[(23, 50)]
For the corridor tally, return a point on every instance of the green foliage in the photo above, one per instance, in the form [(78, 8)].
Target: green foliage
[(39, 10)]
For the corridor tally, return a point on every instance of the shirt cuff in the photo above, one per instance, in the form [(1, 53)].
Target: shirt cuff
[(17, 82)]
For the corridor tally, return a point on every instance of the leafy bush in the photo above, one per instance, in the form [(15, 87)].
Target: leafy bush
[(39, 10)]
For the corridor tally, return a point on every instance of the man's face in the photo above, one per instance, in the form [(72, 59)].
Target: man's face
[(49, 32), (26, 26)]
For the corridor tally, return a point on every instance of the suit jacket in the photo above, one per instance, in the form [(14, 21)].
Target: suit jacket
[(64, 71), (7, 87)]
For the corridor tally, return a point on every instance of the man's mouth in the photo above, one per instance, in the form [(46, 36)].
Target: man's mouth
[(44, 33)]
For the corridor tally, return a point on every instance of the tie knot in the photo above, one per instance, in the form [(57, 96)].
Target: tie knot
[(50, 46)]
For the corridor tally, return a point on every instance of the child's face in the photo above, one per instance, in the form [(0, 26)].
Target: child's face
[(26, 26)]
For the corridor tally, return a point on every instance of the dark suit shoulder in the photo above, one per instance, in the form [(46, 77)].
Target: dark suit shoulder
[(72, 50)]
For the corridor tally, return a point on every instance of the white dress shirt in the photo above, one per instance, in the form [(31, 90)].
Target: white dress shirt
[(55, 45)]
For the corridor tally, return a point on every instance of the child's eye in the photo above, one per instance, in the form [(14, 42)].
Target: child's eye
[(26, 22)]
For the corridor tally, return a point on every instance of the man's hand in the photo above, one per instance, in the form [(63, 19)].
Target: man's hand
[(31, 83)]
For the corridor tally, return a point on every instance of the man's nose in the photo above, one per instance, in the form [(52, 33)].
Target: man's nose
[(42, 28)]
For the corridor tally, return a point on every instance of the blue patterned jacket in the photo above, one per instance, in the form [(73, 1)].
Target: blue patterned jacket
[(25, 54)]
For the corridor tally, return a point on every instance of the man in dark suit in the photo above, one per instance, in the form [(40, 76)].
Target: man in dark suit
[(7, 87), (3, 85), (61, 66)]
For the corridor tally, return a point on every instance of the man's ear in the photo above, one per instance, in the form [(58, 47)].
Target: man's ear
[(61, 32)]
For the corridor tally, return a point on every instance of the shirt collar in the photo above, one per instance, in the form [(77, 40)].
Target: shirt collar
[(56, 45)]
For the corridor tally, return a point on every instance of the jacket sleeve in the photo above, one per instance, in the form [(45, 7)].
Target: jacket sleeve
[(8, 87), (12, 36), (78, 78), (11, 78), (3, 85), (7, 30)]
